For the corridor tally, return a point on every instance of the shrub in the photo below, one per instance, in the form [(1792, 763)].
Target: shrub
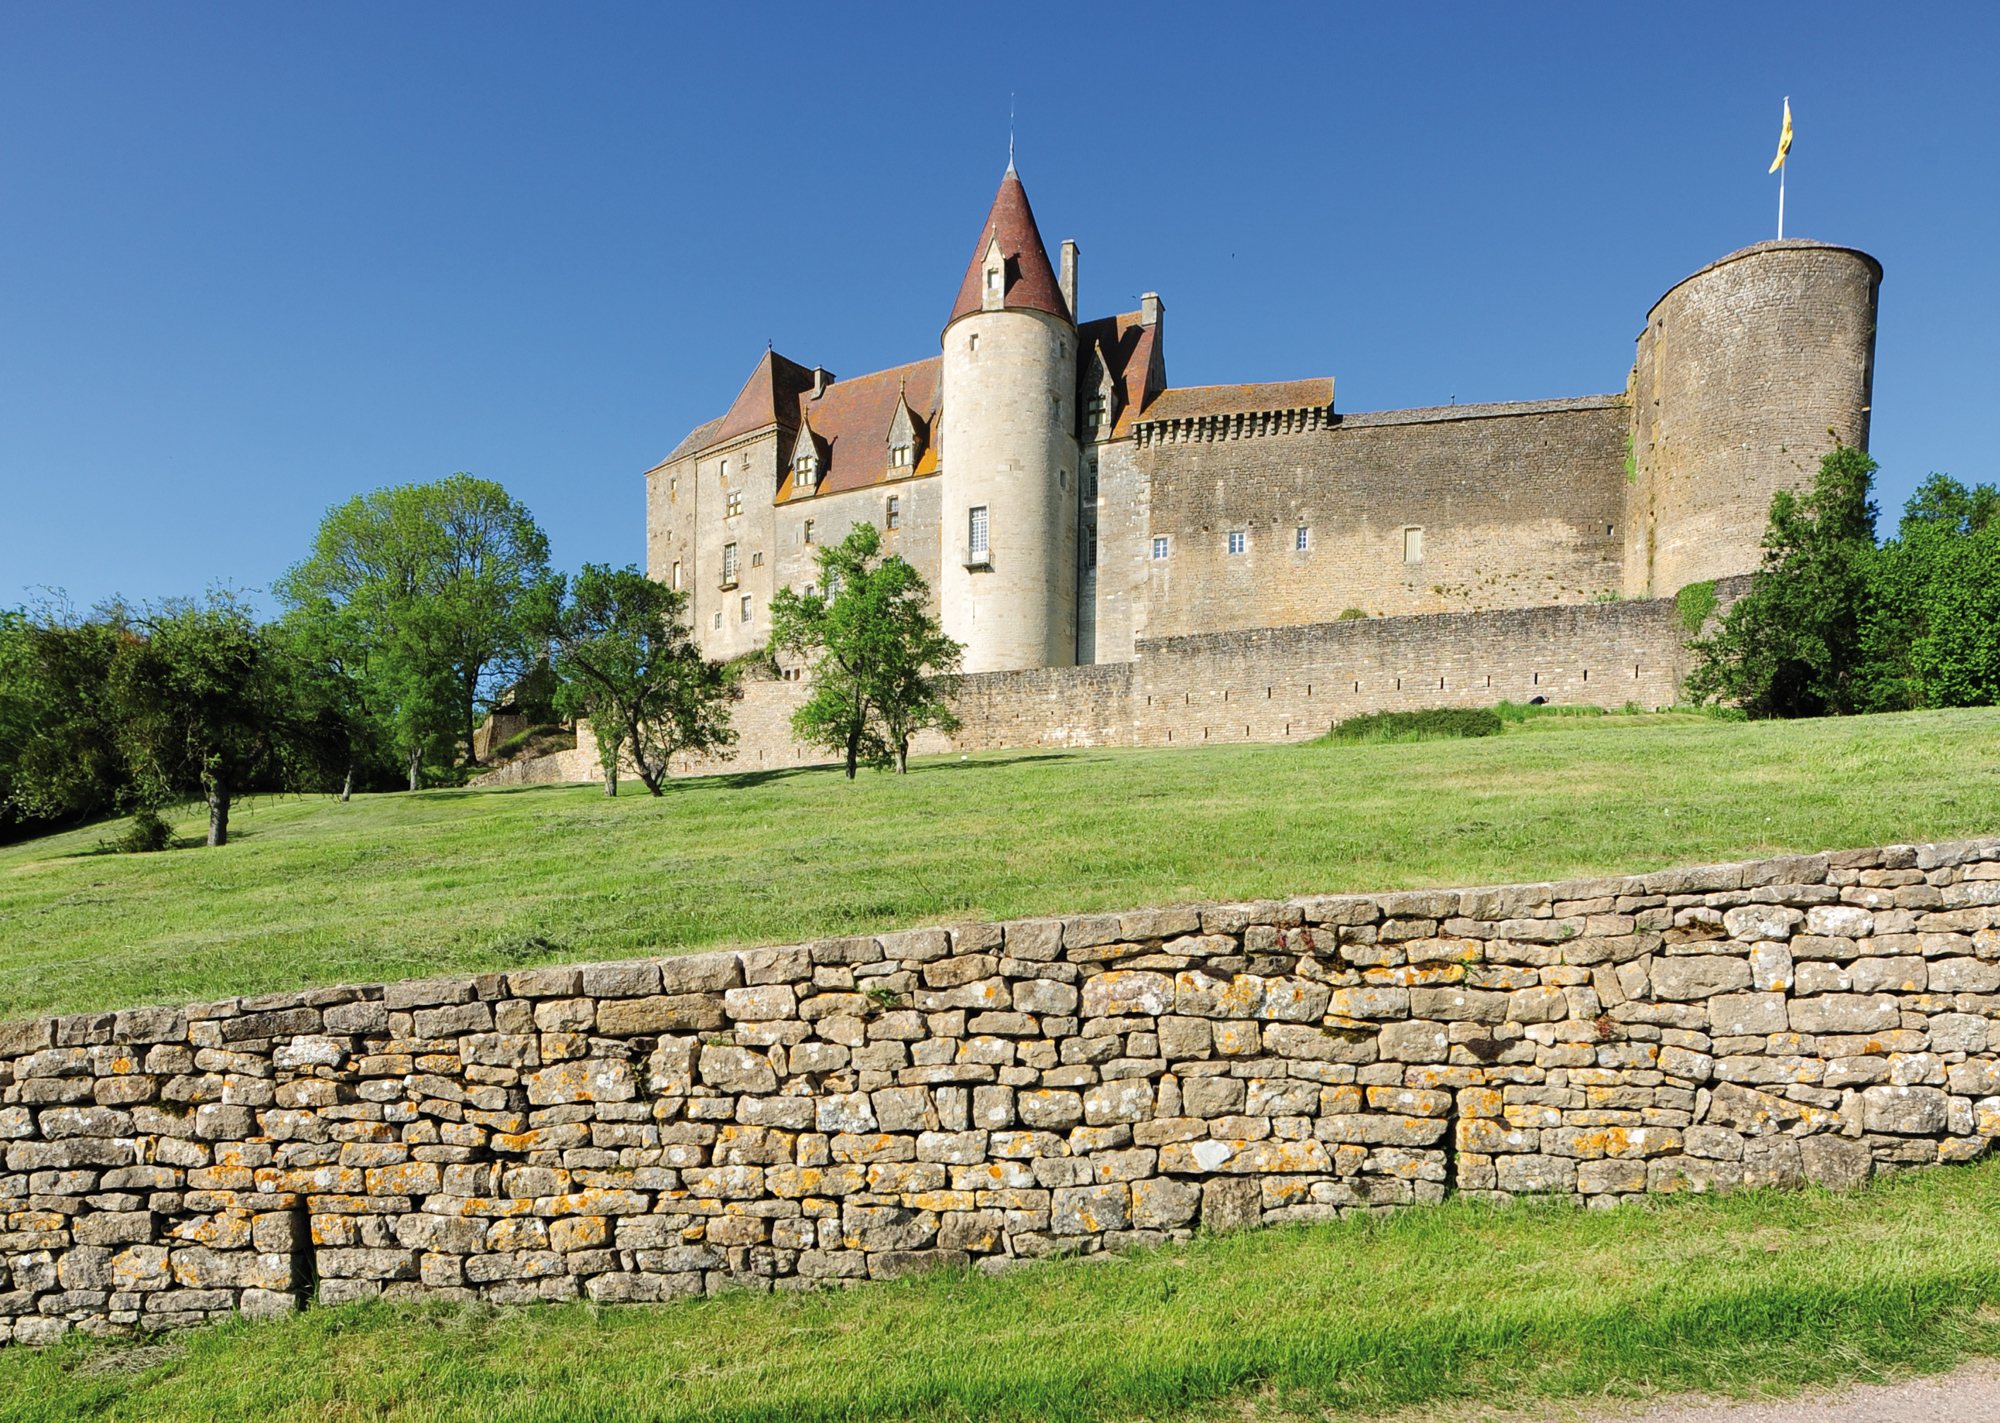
[(1433, 724), (1522, 711), (1695, 604), (1349, 615), (147, 832)]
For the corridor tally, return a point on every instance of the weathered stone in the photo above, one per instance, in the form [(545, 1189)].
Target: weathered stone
[(587, 1080), (1908, 1111), (1697, 976)]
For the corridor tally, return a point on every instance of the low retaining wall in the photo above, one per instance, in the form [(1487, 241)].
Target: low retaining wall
[(857, 1107)]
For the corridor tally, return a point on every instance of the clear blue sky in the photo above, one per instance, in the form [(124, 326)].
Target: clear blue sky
[(257, 258)]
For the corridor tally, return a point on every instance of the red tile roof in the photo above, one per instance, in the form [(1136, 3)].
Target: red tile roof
[(770, 396), (1134, 356), (1030, 281), (1198, 401), (851, 419)]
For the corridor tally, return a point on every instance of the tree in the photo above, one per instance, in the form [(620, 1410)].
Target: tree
[(627, 660), (1792, 646), (1932, 633), (62, 755), (880, 662), (439, 590)]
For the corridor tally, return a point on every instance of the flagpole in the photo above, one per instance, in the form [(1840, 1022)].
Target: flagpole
[(1781, 202)]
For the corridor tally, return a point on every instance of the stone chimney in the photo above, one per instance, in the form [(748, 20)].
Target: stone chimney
[(1067, 278), (822, 378), (1150, 309)]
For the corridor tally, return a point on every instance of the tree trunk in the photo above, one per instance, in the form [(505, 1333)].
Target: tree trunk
[(471, 722), (611, 779), (416, 767), (902, 755), (347, 785), (853, 749), (218, 813)]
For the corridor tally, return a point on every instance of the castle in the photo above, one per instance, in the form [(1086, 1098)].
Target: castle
[(1064, 502)]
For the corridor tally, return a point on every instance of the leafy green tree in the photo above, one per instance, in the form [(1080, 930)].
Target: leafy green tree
[(439, 591), (1932, 634), (621, 645), (1792, 646), (880, 664), (62, 759)]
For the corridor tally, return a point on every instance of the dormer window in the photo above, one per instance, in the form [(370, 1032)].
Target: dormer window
[(899, 456), (805, 471), (993, 279), (1093, 412)]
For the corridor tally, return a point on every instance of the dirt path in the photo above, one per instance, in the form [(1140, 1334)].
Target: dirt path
[(1968, 1395)]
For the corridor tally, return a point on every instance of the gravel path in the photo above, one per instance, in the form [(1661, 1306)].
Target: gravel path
[(1968, 1395)]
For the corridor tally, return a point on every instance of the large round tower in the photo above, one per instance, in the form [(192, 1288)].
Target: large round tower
[(1007, 451), (1742, 371)]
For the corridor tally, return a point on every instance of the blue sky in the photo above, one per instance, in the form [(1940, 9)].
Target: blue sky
[(257, 258)]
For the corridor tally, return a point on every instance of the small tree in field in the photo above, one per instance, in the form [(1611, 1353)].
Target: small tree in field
[(880, 663), (628, 662), (1793, 645)]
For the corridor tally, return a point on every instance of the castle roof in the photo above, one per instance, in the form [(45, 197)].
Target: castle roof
[(770, 396), (1133, 356), (852, 418), (1200, 402), (1030, 282)]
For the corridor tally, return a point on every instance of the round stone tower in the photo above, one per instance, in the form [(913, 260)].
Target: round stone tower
[(1007, 451), (1742, 371)]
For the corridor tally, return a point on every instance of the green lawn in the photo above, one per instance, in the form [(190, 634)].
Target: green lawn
[(1424, 1310), (311, 891)]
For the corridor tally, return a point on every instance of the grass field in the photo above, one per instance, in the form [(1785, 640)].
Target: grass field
[(1752, 1293), (310, 891)]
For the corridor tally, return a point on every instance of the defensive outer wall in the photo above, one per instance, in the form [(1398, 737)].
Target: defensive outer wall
[(853, 1108), (1267, 684)]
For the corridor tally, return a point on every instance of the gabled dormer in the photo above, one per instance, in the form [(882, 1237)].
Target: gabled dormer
[(1101, 395), (908, 435), (993, 278), (808, 461)]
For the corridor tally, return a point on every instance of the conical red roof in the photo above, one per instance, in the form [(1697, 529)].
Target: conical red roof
[(1030, 281)]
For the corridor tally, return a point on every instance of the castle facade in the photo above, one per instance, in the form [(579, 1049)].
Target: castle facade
[(1064, 502)]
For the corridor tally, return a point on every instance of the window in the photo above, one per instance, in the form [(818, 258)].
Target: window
[(993, 279), (975, 535), (757, 558), (805, 469), (1238, 540), (893, 517), (899, 456), (1093, 411), (677, 573), (972, 343), (744, 604), (1090, 478), (725, 469), (1159, 546), (729, 565), (1299, 539), (1089, 546), (1413, 545), (718, 620), (807, 533), (673, 489), (733, 505)]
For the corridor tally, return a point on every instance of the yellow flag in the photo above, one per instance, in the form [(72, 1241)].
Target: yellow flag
[(1784, 139)]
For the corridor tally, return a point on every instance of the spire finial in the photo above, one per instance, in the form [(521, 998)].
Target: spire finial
[(1010, 133)]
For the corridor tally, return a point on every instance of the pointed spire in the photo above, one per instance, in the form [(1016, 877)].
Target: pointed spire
[(1028, 280)]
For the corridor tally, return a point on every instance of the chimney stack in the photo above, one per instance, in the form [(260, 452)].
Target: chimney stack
[(1067, 278), (1149, 309), (822, 378)]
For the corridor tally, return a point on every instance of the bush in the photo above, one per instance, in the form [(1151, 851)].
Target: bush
[(147, 832), (1522, 711), (1434, 724), (536, 740)]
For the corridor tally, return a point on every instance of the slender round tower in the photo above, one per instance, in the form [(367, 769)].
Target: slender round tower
[(1742, 371), (1008, 452)]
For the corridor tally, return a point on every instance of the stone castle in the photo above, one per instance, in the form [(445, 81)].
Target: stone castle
[(1066, 504)]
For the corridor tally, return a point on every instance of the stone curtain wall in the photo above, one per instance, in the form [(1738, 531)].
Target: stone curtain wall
[(856, 1107)]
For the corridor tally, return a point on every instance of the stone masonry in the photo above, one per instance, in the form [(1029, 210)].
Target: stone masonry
[(854, 1108)]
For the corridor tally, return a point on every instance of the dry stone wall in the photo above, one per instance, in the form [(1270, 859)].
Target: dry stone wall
[(853, 1108)]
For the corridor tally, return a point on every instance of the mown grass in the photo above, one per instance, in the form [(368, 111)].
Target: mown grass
[(1754, 1293), (311, 891)]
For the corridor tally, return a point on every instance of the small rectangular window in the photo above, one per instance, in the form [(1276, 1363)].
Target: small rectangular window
[(733, 505), (894, 516), (718, 620), (1299, 541), (1090, 479), (745, 605), (976, 550), (1159, 546), (1089, 546), (729, 565), (1238, 540), (808, 532), (757, 558), (1413, 545), (673, 489), (677, 573)]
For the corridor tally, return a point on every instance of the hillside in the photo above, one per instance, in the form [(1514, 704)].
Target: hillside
[(312, 891)]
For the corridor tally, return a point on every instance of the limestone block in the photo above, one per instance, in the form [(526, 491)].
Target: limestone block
[(1686, 979), (1845, 1013), (1909, 1111)]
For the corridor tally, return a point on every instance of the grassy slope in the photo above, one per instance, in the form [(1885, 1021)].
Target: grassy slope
[(1750, 1293), (312, 891)]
